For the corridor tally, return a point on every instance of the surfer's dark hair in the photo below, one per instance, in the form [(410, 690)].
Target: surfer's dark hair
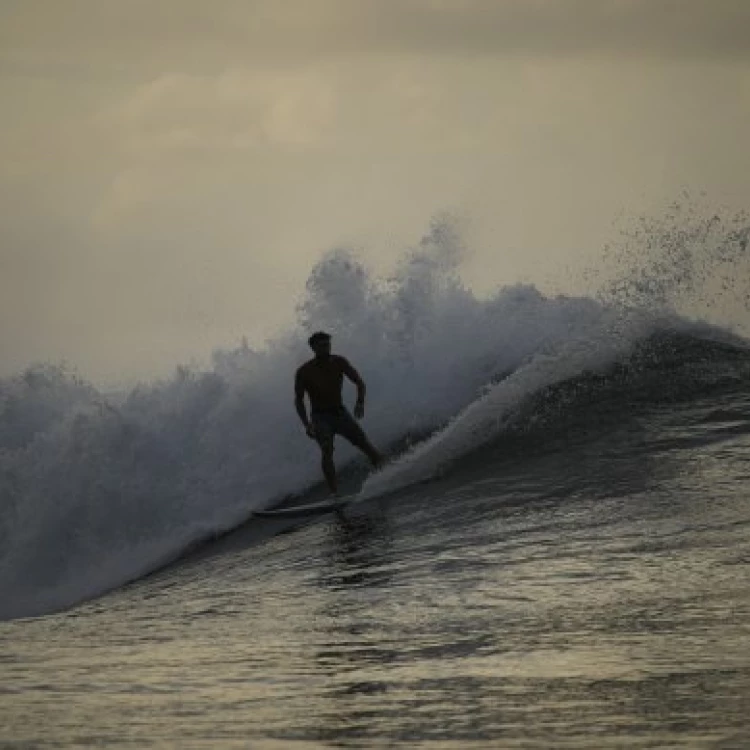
[(318, 337)]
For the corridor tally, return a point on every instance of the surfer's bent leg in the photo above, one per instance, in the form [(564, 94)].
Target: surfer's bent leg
[(324, 435), (329, 469), (347, 427)]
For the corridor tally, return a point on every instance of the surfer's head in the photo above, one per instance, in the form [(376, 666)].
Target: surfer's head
[(320, 343)]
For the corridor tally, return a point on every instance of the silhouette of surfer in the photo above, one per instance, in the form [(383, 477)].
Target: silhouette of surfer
[(322, 379)]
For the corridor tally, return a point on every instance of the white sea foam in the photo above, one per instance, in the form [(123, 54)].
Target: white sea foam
[(98, 490)]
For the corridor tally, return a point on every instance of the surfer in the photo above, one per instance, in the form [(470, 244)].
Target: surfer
[(322, 379)]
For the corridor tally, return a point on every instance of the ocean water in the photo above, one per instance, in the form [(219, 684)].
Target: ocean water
[(556, 555)]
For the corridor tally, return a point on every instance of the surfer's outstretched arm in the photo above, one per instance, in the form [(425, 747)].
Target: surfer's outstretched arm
[(351, 373), (299, 403)]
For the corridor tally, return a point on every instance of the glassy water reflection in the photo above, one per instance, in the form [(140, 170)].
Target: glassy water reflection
[(574, 599)]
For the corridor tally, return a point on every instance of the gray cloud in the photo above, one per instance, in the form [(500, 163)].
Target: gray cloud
[(170, 171), (105, 38), (655, 28)]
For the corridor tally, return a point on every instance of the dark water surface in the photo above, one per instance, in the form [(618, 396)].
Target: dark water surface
[(588, 591)]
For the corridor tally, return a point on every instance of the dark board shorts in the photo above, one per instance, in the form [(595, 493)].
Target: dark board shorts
[(339, 421)]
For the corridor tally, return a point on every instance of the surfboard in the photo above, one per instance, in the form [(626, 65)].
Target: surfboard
[(310, 509)]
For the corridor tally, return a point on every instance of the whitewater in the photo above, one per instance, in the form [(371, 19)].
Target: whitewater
[(551, 457)]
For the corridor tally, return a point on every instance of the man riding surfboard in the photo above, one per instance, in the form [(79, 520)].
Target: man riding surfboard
[(322, 378)]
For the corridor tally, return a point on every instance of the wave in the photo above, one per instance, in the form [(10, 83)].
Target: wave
[(635, 358), (98, 489)]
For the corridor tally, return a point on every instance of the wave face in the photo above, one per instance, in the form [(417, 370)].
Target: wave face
[(97, 490)]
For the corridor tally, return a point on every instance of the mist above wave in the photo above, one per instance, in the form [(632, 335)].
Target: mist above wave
[(97, 490)]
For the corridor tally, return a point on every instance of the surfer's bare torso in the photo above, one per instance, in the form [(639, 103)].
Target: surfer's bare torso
[(322, 380)]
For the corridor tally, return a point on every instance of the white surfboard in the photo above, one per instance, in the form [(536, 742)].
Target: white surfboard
[(310, 509)]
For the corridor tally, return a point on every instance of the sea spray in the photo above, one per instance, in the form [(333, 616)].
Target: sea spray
[(98, 490)]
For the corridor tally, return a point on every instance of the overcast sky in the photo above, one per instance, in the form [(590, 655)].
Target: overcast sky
[(171, 169)]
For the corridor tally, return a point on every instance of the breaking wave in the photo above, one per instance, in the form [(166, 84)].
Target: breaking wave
[(96, 489)]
